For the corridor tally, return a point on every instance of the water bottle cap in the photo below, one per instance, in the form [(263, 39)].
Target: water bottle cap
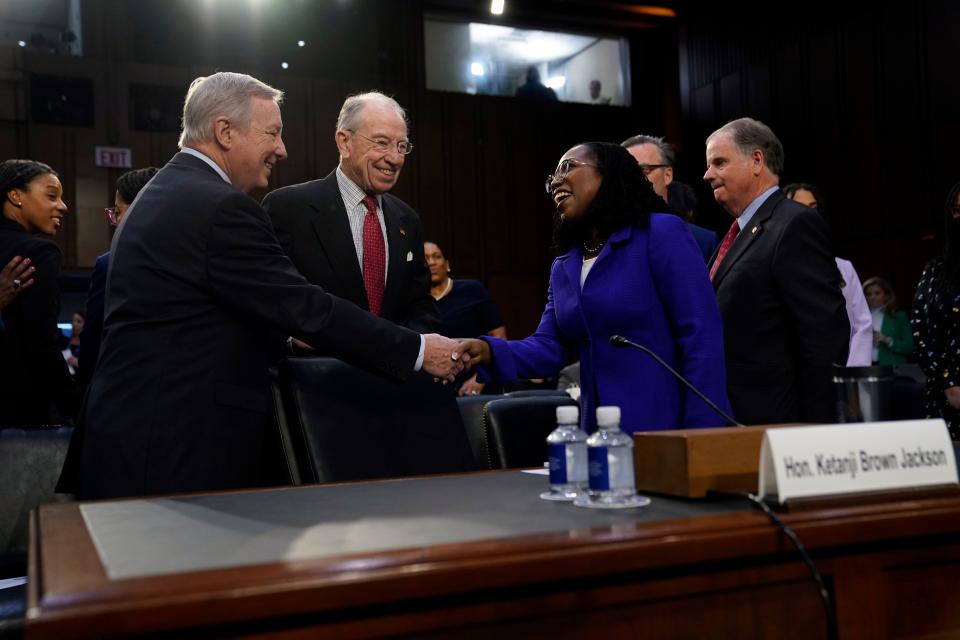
[(608, 416), (568, 415)]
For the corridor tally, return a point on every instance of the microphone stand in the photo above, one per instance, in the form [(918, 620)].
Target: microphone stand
[(621, 342)]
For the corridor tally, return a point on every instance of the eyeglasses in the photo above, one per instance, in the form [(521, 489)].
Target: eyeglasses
[(650, 168), (565, 167), (383, 146), (113, 216)]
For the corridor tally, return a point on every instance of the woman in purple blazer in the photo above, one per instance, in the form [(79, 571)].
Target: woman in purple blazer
[(622, 270)]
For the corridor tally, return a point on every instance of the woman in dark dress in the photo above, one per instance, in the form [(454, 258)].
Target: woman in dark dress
[(466, 309), (35, 385), (936, 323)]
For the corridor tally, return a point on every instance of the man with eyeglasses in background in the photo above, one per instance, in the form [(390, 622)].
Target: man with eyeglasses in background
[(128, 186), (347, 234), (656, 156)]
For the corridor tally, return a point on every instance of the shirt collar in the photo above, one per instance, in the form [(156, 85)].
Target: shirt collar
[(351, 193), (752, 208), (208, 160)]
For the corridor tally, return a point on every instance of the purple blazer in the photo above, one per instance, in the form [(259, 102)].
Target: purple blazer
[(651, 286)]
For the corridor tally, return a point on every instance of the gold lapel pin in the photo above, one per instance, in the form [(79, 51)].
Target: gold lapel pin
[(755, 229)]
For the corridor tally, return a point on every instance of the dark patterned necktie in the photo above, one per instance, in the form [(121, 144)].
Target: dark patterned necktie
[(374, 256), (725, 245)]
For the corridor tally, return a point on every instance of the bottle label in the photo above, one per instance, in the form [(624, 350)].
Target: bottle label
[(568, 462), (611, 468), (558, 463)]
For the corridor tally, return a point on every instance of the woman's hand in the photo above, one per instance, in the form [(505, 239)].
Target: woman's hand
[(879, 338), (471, 387), (953, 397), (478, 350), (14, 278)]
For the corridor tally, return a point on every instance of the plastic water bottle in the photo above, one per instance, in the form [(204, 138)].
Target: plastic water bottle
[(567, 453), (610, 454)]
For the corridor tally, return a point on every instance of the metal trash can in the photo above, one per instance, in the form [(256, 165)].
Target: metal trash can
[(864, 394)]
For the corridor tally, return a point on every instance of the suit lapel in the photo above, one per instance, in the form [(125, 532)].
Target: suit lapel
[(746, 237), (396, 258), (332, 227)]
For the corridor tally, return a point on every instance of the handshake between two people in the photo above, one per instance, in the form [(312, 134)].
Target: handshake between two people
[(444, 358)]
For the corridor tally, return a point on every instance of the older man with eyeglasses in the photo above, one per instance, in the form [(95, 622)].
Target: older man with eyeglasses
[(656, 157), (346, 233)]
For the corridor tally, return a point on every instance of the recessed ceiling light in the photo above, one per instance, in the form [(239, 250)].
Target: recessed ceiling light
[(284, 65), (496, 7), (301, 43), (22, 43)]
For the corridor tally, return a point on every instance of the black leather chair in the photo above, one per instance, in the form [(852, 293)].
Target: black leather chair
[(342, 423), (517, 429), (30, 463), (471, 412), (534, 393)]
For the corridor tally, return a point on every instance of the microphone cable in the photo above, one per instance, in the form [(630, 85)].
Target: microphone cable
[(620, 341), (825, 598)]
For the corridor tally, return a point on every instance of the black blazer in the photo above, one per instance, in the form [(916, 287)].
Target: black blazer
[(312, 226), (197, 285), (35, 383), (784, 318)]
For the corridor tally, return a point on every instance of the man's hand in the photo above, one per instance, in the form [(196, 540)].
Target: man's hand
[(953, 396), (14, 278), (442, 358)]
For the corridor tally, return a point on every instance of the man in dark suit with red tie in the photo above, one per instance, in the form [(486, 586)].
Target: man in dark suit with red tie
[(347, 234), (198, 290), (777, 285)]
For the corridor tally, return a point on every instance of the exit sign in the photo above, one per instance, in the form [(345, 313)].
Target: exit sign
[(117, 157)]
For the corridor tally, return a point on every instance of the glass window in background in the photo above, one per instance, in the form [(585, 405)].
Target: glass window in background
[(499, 60)]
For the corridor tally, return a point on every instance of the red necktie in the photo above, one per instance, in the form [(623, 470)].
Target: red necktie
[(725, 245), (374, 256)]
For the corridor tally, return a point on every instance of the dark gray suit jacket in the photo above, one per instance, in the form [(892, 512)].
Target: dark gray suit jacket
[(312, 226), (197, 285), (784, 318)]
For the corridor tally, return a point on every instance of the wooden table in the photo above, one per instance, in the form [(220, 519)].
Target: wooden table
[(720, 572)]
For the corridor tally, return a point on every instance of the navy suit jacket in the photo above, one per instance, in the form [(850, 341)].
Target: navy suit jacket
[(312, 226), (784, 316), (651, 286), (706, 240), (197, 287), (93, 326)]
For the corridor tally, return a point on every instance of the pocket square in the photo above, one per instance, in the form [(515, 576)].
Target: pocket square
[(409, 256)]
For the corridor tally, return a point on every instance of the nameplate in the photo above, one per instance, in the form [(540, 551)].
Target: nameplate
[(840, 459)]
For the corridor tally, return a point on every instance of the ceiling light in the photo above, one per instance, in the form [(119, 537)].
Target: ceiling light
[(284, 65), (477, 69), (22, 43), (496, 7), (301, 43)]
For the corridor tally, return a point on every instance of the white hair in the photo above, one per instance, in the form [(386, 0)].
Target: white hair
[(222, 94), (349, 118)]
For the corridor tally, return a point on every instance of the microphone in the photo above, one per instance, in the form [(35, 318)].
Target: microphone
[(621, 342)]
